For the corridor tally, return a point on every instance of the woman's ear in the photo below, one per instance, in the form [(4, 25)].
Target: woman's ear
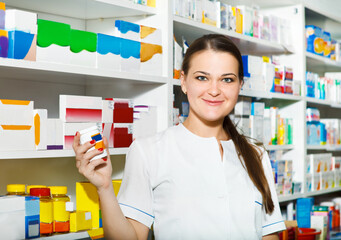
[(183, 82)]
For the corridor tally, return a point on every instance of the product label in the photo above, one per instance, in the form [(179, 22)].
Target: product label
[(46, 212), (59, 211)]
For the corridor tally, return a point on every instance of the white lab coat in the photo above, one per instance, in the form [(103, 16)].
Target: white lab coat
[(177, 181)]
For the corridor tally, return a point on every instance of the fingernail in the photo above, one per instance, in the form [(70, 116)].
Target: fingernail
[(100, 149), (76, 134), (92, 141), (105, 159)]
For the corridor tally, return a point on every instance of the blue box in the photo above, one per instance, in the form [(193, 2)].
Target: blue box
[(314, 39), (32, 217), (303, 211)]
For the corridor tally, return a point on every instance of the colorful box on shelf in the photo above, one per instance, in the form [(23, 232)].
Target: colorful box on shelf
[(2, 15), (80, 221), (22, 45), (70, 129), (87, 200), (108, 132), (3, 43), (303, 210), (74, 108), (177, 59), (127, 30), (326, 44), (54, 134), (12, 217), (21, 21), (16, 125), (53, 42), (130, 55), (83, 47), (151, 59), (32, 217), (314, 40), (123, 110), (123, 135), (145, 121), (247, 22), (150, 35), (40, 128), (108, 52)]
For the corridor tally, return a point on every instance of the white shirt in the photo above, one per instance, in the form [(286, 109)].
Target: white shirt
[(178, 181)]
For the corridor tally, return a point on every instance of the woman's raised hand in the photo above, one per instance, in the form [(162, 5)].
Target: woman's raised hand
[(98, 171)]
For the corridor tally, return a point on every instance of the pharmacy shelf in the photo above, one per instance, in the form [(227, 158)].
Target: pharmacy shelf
[(318, 101), (321, 192), (286, 198), (279, 147), (269, 95), (324, 147), (191, 30), (71, 74), (315, 12), (84, 9), (319, 63), (51, 153), (68, 236)]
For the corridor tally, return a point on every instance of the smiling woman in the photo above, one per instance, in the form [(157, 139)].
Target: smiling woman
[(200, 179)]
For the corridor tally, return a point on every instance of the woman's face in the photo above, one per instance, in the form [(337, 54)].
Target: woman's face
[(212, 85)]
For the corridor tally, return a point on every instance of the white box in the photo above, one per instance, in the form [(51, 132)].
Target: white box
[(54, 134), (70, 130), (243, 125), (21, 21), (243, 107), (16, 112), (127, 30), (253, 64), (151, 35), (268, 73), (108, 132), (151, 59), (145, 121), (257, 108), (130, 56), (12, 217), (108, 55), (247, 13), (40, 128), (53, 54), (319, 222), (80, 108), (16, 137), (108, 111), (256, 130)]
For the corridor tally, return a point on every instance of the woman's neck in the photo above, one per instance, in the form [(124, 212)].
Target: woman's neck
[(205, 128)]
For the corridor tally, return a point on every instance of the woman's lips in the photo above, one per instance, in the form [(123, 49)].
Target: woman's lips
[(213, 103)]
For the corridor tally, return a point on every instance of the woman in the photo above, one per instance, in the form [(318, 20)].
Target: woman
[(200, 179)]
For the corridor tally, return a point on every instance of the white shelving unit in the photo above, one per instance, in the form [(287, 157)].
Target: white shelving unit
[(43, 82)]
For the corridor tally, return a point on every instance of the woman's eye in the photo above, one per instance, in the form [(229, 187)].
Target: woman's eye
[(201, 78), (227, 80)]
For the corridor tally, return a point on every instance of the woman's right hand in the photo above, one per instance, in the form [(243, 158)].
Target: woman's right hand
[(98, 171)]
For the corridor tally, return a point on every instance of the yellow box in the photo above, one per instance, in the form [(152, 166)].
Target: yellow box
[(87, 199), (80, 220), (96, 233)]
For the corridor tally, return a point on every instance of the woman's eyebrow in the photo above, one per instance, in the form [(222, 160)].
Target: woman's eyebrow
[(202, 72), (227, 74)]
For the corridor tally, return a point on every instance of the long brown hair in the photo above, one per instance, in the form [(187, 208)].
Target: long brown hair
[(246, 151)]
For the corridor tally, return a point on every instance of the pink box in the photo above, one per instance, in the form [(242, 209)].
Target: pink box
[(80, 108)]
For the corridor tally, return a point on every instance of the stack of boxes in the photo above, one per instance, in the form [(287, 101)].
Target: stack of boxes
[(129, 47), (320, 43), (323, 172), (241, 19), (88, 201), (325, 88), (25, 128), (262, 75), (18, 34)]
